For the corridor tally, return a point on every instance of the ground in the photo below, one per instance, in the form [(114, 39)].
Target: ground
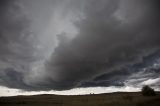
[(108, 99)]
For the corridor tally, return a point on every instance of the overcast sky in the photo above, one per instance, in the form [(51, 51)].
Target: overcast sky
[(78, 46)]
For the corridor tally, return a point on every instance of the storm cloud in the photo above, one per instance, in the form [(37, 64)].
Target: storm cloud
[(61, 45)]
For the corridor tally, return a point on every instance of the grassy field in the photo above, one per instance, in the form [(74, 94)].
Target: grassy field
[(110, 99)]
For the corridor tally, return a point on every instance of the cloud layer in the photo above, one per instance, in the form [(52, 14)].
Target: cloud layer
[(70, 43)]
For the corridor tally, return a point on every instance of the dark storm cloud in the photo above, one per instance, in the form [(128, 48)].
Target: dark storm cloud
[(114, 37), (16, 50), (12, 79), (105, 43), (139, 72)]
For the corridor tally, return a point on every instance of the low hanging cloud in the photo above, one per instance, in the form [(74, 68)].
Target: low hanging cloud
[(72, 43)]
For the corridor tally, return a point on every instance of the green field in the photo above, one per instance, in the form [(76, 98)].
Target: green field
[(108, 99)]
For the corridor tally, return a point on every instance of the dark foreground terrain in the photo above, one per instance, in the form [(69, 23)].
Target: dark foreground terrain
[(111, 99)]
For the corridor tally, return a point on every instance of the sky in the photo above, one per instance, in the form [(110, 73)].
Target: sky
[(78, 46)]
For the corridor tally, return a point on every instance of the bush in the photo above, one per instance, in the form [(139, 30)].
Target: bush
[(147, 91)]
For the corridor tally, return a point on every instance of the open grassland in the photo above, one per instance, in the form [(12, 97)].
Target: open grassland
[(110, 99)]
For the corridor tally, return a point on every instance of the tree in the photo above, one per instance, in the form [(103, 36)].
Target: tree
[(147, 91)]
